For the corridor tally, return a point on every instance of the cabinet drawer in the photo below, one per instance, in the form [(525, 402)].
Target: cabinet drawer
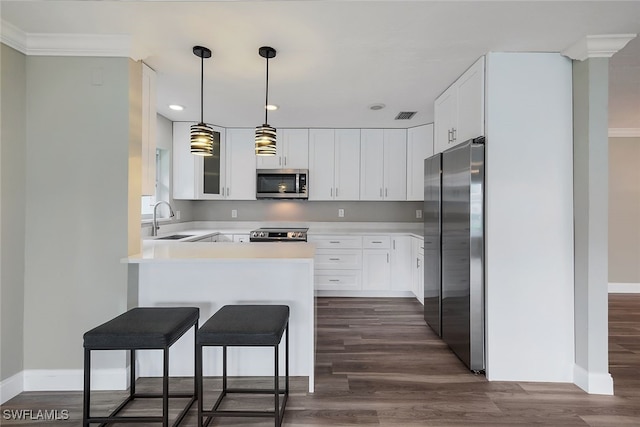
[(342, 259), (338, 280), (338, 242), (376, 242)]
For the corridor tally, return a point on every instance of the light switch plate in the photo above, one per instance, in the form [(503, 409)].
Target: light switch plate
[(234, 213), (418, 213), (340, 213)]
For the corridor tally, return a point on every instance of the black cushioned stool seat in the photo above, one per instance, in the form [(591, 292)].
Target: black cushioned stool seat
[(244, 325), (143, 328)]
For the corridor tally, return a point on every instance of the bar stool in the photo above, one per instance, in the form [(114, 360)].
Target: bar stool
[(146, 328), (244, 326)]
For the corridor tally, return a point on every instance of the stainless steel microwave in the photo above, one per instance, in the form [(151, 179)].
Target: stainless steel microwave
[(281, 183)]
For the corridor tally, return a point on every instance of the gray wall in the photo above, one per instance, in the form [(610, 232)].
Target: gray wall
[(277, 210), (76, 205), (624, 210), (12, 210)]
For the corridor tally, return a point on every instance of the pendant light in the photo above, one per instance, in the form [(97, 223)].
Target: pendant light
[(201, 134), (265, 134)]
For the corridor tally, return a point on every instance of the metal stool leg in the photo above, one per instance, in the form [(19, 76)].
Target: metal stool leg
[(276, 386), (86, 404)]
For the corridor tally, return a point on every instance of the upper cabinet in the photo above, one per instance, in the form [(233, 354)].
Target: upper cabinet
[(334, 164), (419, 147), (383, 164), (292, 151), (149, 125), (198, 177), (459, 111), (240, 169)]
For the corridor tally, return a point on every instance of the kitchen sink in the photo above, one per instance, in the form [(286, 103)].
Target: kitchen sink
[(175, 237)]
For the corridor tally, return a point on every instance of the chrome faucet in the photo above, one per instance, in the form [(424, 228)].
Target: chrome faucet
[(154, 225)]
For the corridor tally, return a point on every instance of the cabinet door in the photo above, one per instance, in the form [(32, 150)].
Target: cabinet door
[(296, 148), (347, 164), (241, 166), (149, 125), (321, 164), (395, 164), (471, 103), (184, 163), (421, 278), (445, 113), (371, 164), (419, 147), (210, 170), (401, 272), (376, 269)]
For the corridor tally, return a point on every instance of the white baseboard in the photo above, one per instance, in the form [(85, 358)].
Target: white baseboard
[(624, 288), (11, 387), (73, 379), (363, 294), (593, 382)]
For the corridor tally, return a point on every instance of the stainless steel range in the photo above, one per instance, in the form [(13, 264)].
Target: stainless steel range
[(278, 235)]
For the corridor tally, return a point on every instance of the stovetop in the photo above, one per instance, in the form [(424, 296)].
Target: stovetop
[(279, 234)]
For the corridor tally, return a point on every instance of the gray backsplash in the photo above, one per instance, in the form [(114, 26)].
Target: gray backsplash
[(295, 210)]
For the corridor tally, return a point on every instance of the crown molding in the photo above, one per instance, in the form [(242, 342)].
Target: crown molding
[(624, 132), (45, 44), (602, 46), (13, 36)]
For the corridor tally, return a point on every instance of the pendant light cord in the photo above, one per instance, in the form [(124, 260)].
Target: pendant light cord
[(202, 89), (266, 97)]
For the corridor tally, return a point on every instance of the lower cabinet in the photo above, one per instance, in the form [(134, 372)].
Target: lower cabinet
[(417, 280), (364, 264)]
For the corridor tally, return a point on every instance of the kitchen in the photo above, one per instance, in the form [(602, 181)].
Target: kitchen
[(104, 212)]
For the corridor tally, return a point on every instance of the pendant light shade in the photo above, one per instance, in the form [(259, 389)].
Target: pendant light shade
[(201, 134), (266, 134)]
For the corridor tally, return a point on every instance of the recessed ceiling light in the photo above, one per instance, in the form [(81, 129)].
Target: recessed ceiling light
[(271, 107), (176, 107), (376, 107)]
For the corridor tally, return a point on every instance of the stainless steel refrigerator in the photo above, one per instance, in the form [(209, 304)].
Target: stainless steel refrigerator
[(454, 249)]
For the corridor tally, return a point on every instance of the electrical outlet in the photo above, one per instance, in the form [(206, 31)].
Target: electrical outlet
[(418, 213), (177, 215), (340, 213), (234, 213)]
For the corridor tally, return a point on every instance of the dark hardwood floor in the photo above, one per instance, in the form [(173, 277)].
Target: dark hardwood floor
[(378, 364)]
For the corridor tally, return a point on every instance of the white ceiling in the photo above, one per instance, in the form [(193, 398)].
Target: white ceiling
[(336, 58)]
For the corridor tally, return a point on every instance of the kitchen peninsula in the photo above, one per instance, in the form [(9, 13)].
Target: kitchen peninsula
[(209, 276)]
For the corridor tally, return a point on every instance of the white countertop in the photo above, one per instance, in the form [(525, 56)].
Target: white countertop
[(171, 251)]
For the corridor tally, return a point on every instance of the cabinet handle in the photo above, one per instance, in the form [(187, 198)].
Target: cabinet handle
[(376, 241), (449, 136), (334, 280), (417, 262), (280, 161), (285, 160), (387, 258), (381, 192), (335, 241), (386, 192), (228, 191), (453, 134), (334, 259), (331, 191), (394, 244), (336, 191)]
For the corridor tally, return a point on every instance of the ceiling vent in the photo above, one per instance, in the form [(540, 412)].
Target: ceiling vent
[(405, 115)]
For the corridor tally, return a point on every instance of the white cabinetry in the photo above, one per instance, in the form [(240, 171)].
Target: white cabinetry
[(417, 282), (240, 177), (334, 164), (376, 263), (459, 111), (419, 147), (197, 177), (401, 263), (383, 157), (292, 151), (338, 262), (149, 125)]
